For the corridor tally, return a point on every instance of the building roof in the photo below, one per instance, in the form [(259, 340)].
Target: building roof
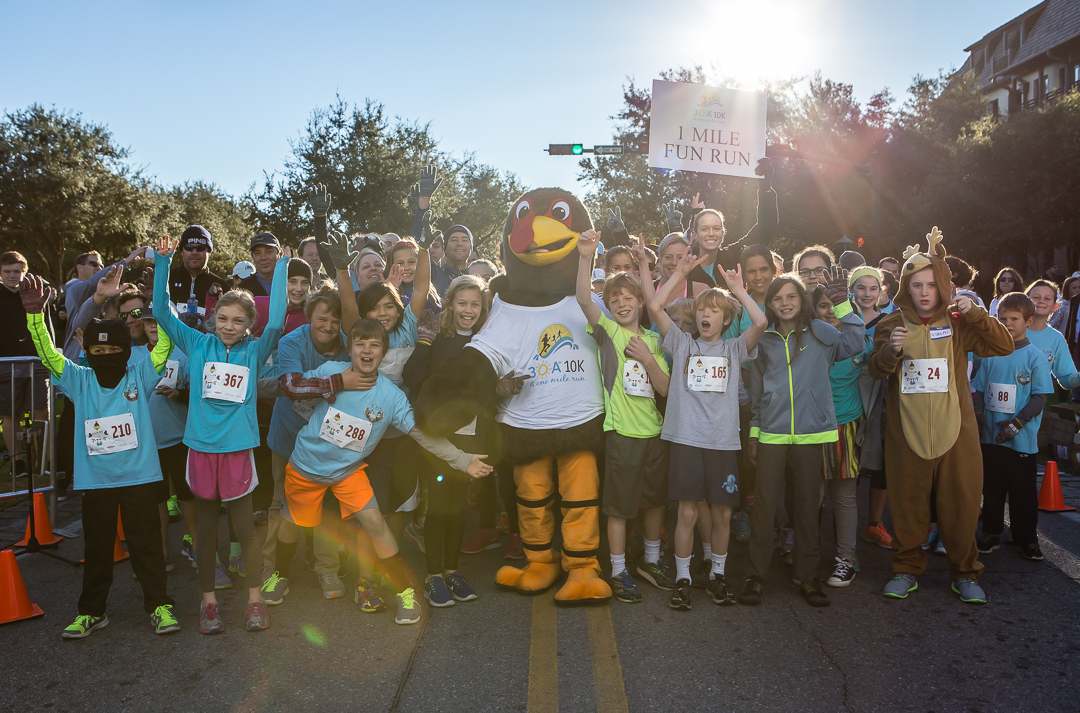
[(1046, 26)]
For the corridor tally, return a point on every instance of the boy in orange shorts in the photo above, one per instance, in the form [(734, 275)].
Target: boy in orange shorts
[(330, 452)]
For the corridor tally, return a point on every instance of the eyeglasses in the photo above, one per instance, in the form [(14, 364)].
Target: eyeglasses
[(816, 272), (136, 313), (190, 248)]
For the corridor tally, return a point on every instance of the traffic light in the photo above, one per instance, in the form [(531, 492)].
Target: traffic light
[(565, 149)]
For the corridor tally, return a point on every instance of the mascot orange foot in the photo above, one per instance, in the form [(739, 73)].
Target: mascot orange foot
[(579, 490)]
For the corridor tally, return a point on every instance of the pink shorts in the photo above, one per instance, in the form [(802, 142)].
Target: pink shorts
[(221, 476)]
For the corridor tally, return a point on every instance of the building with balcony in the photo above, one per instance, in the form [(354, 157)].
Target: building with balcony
[(1030, 60)]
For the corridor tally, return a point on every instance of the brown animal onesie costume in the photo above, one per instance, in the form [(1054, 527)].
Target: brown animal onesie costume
[(931, 437)]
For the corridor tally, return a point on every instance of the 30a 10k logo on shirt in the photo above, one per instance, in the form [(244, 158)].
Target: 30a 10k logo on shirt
[(556, 358)]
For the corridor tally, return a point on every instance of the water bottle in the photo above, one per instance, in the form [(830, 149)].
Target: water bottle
[(193, 312)]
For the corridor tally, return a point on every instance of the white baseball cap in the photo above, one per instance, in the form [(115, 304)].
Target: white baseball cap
[(598, 275), (243, 270)]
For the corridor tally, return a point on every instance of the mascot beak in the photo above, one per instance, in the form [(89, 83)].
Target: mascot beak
[(551, 242)]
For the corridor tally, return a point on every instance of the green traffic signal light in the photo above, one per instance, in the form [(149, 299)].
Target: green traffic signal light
[(576, 149)]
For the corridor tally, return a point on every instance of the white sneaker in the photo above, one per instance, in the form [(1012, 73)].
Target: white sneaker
[(332, 586)]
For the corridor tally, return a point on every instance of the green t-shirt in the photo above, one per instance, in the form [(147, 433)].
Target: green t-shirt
[(632, 415)]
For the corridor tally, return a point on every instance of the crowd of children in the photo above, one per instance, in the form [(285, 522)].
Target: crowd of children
[(741, 397)]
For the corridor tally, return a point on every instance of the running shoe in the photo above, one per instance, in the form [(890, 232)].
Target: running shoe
[(931, 539), (332, 586), (367, 596), (843, 572), (701, 574), (256, 618), (681, 599), (457, 585), (813, 594), (173, 503), (988, 544), (408, 611), (163, 620), (209, 619), (221, 577), (436, 593), (789, 541), (259, 518), (939, 547), (877, 534), (275, 588), (514, 550), (83, 625), (236, 564), (900, 586), (187, 549), (969, 590), (1032, 551), (751, 592), (169, 566), (416, 534), (740, 526), (503, 523), (720, 591), (654, 574), (624, 589), (482, 540)]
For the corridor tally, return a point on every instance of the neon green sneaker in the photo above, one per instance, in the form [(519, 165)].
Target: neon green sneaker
[(83, 625), (173, 504), (408, 611), (275, 588), (163, 620)]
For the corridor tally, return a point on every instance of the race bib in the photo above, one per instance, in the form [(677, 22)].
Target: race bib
[(168, 381), (1001, 398), (304, 408), (706, 373), (344, 431), (635, 379), (469, 430), (112, 434), (924, 376), (394, 363), (222, 381)]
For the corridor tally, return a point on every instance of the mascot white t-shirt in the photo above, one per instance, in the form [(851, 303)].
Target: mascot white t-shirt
[(552, 349)]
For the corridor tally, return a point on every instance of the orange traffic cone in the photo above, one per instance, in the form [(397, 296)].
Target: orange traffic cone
[(120, 527), (42, 527), (15, 602), (1050, 497), (119, 553)]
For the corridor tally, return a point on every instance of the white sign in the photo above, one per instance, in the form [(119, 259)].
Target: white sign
[(706, 129)]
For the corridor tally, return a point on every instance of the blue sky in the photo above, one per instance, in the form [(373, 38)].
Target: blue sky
[(215, 90)]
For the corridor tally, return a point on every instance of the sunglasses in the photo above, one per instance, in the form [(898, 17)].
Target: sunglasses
[(137, 313), (195, 248), (95, 265)]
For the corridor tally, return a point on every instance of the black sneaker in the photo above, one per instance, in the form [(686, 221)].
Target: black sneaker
[(988, 543), (700, 577), (681, 598), (720, 591), (1031, 551), (813, 594), (751, 592)]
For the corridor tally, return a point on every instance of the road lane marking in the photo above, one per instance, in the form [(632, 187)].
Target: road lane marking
[(543, 657), (606, 669)]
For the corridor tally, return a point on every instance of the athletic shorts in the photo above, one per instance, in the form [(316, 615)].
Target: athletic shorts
[(391, 470), (221, 476), (703, 474), (303, 500), (841, 459), (173, 460), (635, 475), (20, 374)]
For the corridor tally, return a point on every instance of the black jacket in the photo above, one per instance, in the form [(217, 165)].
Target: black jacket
[(180, 287), (252, 285)]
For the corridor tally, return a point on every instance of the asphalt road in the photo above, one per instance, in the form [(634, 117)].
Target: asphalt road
[(507, 652)]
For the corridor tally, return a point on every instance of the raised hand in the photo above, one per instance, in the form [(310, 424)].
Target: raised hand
[(429, 181), (733, 277), (637, 251), (337, 244), (689, 261), (164, 247), (836, 287), (146, 280), (34, 294), (587, 243), (697, 203), (427, 327), (109, 286), (137, 255), (615, 222), (428, 233), (478, 468), (673, 217), (286, 252), (319, 200), (413, 199), (897, 339)]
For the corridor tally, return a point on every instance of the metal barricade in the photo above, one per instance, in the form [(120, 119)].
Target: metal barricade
[(41, 451)]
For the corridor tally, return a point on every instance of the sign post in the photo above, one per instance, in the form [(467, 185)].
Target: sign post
[(693, 127)]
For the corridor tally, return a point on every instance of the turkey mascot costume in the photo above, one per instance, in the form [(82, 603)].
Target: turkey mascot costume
[(535, 366)]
